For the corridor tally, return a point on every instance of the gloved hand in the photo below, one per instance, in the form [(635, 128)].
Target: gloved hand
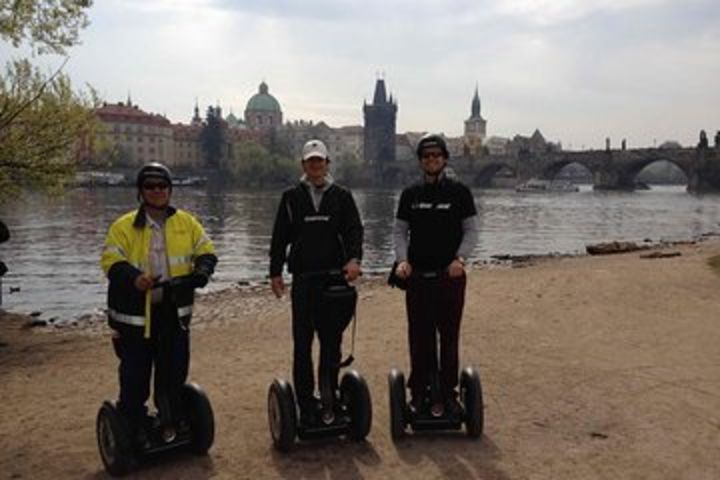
[(199, 279)]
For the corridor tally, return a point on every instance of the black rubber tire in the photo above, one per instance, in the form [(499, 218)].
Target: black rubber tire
[(200, 417), (356, 396), (398, 404), (472, 397), (114, 441), (282, 415)]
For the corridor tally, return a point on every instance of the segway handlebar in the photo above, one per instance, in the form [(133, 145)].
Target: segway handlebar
[(193, 280)]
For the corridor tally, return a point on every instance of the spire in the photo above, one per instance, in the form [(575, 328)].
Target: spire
[(475, 109), (129, 100), (380, 96), (196, 114)]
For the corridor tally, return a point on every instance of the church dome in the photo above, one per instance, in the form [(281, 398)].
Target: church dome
[(263, 101)]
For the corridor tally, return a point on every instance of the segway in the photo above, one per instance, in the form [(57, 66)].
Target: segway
[(427, 416), (192, 429), (345, 412), (431, 413)]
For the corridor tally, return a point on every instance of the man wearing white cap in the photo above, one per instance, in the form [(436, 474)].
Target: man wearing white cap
[(320, 222)]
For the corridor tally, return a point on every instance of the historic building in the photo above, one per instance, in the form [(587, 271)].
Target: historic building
[(535, 143), (379, 133), (133, 137), (342, 142), (263, 110), (475, 128)]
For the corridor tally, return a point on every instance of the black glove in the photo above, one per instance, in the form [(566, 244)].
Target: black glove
[(199, 279), (3, 269)]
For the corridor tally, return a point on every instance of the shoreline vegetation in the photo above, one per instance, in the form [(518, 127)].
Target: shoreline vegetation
[(590, 365)]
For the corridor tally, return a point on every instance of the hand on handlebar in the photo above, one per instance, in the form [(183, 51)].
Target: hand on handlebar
[(403, 270), (145, 282), (352, 270), (456, 269), (278, 286)]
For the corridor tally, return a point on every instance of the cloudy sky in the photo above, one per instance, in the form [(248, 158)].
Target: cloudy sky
[(579, 70)]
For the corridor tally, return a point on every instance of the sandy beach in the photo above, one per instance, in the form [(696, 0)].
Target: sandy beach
[(593, 367)]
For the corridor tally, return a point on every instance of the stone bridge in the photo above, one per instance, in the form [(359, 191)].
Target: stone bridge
[(610, 169)]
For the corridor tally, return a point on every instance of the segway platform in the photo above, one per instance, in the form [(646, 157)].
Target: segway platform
[(471, 413), (351, 413), (122, 449)]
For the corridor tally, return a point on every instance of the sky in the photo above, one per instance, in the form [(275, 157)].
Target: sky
[(577, 70)]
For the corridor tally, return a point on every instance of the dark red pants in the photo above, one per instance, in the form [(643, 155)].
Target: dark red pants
[(434, 305)]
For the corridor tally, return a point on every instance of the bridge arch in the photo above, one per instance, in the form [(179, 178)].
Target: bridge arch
[(634, 169), (484, 176), (580, 169)]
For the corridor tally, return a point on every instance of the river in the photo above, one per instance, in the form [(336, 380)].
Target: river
[(56, 242)]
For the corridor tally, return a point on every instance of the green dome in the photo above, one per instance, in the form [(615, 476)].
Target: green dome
[(263, 101)]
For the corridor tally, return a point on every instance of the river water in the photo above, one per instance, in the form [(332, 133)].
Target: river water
[(56, 242)]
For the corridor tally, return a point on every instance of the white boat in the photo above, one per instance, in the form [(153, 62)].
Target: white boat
[(538, 185)]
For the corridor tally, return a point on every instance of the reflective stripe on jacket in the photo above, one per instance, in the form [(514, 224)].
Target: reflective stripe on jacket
[(126, 255)]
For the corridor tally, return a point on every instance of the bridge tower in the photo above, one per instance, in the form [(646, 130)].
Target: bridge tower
[(475, 128), (379, 133)]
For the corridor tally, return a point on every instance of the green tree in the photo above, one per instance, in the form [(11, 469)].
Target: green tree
[(348, 168), (254, 166), (44, 124), (212, 137)]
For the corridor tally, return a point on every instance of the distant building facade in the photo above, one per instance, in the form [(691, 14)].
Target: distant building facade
[(137, 137), (535, 143), (134, 136)]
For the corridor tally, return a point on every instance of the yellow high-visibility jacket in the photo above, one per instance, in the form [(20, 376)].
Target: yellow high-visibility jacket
[(126, 256)]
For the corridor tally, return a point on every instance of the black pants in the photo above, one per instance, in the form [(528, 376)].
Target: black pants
[(168, 349), (434, 304), (309, 317)]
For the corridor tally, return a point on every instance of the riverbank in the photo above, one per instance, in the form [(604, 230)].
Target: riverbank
[(594, 367)]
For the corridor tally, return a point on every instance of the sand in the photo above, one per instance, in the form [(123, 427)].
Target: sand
[(592, 368)]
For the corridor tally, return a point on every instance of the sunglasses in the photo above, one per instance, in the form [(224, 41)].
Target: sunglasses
[(432, 154), (155, 186)]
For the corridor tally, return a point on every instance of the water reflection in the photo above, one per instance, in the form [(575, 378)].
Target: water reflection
[(55, 246)]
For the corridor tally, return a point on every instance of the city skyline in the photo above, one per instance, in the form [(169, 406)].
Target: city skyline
[(645, 70)]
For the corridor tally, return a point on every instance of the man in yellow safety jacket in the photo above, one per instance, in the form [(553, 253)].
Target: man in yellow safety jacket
[(150, 245)]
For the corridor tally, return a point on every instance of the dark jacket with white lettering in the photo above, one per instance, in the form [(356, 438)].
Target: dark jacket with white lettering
[(320, 240)]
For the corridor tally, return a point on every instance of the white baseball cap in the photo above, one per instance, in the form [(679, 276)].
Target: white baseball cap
[(314, 148)]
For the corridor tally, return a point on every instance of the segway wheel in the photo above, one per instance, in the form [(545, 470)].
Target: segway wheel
[(114, 441), (472, 397), (396, 386), (282, 415), (356, 396), (200, 417)]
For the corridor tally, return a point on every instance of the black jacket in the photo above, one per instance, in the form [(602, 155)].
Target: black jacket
[(319, 240)]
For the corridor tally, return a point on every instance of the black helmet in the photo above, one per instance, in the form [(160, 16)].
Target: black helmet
[(153, 170), (432, 140)]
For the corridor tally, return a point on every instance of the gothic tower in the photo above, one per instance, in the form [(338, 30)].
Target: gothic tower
[(379, 139), (474, 128)]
